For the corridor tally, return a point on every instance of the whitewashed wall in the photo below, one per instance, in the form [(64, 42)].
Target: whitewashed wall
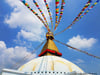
[(14, 72)]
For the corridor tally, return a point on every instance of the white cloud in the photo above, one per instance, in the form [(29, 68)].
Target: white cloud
[(22, 17), (29, 36), (10, 56), (2, 45), (78, 61), (80, 42)]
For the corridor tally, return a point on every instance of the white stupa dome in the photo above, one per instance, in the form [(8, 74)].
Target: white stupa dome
[(50, 63)]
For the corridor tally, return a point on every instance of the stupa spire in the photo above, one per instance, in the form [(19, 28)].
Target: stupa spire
[(50, 48)]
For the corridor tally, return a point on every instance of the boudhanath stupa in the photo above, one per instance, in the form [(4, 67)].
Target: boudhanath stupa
[(49, 62)]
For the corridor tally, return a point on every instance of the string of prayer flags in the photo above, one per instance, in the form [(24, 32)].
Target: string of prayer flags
[(61, 13), (80, 15), (78, 49), (90, 8), (47, 6), (40, 11), (27, 5), (83, 10), (57, 11)]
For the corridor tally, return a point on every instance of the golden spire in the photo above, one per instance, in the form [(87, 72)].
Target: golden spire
[(50, 48)]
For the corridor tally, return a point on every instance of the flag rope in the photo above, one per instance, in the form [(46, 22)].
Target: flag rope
[(27, 56), (36, 4), (80, 15), (89, 8), (27, 5), (56, 11), (78, 49), (61, 13), (47, 6)]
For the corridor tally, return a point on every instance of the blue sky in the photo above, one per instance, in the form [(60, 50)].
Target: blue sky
[(21, 32)]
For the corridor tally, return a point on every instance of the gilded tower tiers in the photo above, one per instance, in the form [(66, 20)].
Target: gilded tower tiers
[(50, 48)]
